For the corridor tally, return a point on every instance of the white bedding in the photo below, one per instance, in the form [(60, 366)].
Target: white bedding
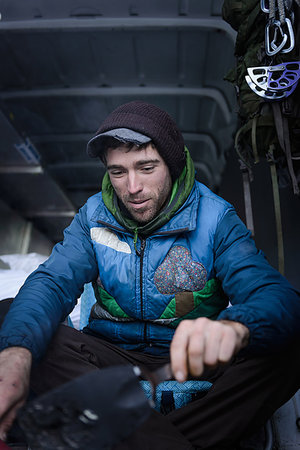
[(17, 268)]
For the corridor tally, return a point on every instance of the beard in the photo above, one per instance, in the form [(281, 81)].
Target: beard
[(143, 214), (154, 203)]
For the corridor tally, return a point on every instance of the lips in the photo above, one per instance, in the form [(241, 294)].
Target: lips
[(136, 204)]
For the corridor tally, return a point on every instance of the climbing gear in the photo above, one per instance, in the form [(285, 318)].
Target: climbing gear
[(274, 82), (171, 395), (266, 79), (280, 30)]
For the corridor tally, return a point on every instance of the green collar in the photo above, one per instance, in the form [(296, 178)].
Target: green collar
[(180, 192)]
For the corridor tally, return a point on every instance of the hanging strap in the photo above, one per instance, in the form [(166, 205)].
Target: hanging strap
[(247, 178), (276, 198), (250, 126), (283, 134), (253, 139)]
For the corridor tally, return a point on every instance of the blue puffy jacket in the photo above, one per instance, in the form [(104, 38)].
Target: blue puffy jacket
[(190, 267)]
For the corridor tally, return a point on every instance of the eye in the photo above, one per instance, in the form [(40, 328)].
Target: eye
[(116, 173), (147, 169)]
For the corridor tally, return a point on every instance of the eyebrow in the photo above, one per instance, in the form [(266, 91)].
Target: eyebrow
[(137, 164), (147, 161), (114, 166)]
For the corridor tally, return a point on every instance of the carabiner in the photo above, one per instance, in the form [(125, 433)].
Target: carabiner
[(263, 6), (271, 47), (291, 36)]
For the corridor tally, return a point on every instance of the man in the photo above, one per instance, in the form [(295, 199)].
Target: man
[(165, 256)]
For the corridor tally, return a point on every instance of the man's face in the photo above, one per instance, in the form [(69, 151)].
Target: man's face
[(141, 180)]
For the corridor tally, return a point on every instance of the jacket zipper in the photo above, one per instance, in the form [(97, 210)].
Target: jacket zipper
[(140, 254)]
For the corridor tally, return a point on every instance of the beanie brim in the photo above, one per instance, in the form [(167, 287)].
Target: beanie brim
[(97, 145)]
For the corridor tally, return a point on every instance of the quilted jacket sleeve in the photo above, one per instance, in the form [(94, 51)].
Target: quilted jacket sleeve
[(50, 293), (261, 298)]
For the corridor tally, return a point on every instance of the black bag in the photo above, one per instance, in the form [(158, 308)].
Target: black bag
[(94, 411)]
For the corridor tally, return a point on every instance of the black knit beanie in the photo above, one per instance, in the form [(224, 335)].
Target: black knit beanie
[(151, 121)]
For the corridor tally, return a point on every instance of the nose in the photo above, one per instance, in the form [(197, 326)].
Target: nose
[(134, 184)]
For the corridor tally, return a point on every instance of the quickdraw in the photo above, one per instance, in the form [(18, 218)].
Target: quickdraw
[(279, 33)]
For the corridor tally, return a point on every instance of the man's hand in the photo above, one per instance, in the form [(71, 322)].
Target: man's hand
[(205, 343), (15, 365)]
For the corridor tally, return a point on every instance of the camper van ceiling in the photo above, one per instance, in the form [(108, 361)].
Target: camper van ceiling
[(66, 64)]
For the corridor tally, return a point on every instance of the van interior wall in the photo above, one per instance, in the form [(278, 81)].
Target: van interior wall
[(231, 189), (19, 236)]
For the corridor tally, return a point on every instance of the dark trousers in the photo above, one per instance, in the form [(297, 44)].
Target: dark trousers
[(244, 395)]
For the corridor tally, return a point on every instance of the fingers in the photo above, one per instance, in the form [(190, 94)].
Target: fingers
[(8, 419), (15, 363), (203, 342), (197, 348), (178, 351), (11, 401), (228, 345)]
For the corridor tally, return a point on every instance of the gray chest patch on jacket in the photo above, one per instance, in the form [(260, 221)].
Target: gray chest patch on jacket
[(179, 272)]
